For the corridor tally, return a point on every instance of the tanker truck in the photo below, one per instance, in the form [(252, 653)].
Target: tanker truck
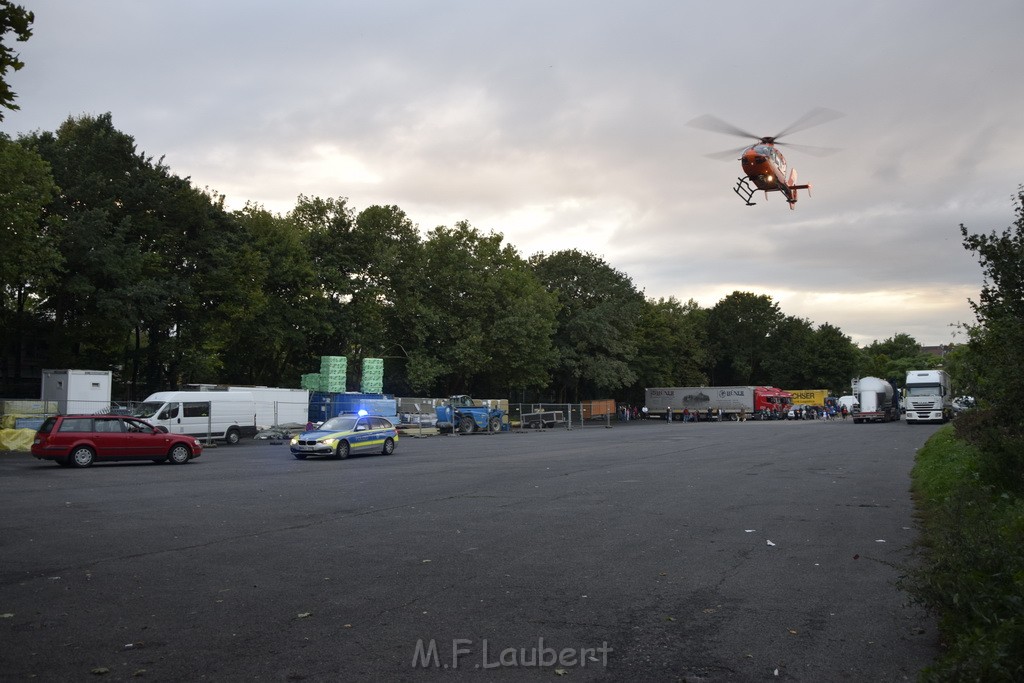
[(875, 400)]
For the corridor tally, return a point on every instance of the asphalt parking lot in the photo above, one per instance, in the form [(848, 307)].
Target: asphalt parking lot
[(648, 551)]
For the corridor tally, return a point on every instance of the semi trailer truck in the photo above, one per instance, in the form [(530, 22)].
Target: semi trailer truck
[(766, 403), (928, 396)]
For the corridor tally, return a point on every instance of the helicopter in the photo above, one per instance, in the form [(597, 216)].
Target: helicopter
[(764, 167)]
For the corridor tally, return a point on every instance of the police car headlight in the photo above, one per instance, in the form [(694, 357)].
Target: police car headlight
[(295, 439), (330, 442)]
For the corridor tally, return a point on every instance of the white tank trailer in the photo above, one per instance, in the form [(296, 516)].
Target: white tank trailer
[(875, 400)]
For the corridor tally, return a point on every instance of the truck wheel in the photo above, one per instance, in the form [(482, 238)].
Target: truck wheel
[(232, 437), (466, 425), (495, 424)]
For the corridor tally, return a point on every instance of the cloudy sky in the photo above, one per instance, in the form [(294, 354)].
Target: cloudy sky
[(562, 124)]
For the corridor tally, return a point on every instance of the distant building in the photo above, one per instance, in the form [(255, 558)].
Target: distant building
[(941, 350)]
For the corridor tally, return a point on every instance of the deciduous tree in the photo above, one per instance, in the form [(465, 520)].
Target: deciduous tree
[(997, 349), (671, 346), (599, 313), (740, 328), (28, 258), (17, 20)]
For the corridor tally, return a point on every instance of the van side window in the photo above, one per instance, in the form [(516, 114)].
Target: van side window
[(76, 424), (169, 412), (197, 409)]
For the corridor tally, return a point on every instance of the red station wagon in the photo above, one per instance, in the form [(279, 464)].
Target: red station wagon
[(81, 440)]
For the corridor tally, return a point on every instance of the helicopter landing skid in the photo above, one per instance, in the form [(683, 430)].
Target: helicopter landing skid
[(745, 191)]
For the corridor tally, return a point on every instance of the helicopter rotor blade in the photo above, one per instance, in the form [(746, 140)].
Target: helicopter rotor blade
[(727, 154), (814, 117), (717, 125), (812, 150)]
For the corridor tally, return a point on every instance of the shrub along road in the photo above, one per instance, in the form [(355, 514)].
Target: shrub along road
[(649, 551)]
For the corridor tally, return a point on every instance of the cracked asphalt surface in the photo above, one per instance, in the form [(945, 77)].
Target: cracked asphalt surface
[(648, 551)]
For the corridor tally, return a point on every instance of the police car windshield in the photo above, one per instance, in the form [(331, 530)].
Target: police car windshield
[(339, 424)]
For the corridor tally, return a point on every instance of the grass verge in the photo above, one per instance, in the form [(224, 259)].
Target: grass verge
[(972, 572)]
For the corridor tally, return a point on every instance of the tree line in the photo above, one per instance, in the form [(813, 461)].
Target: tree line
[(110, 260)]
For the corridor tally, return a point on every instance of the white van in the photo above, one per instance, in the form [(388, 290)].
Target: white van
[(223, 415)]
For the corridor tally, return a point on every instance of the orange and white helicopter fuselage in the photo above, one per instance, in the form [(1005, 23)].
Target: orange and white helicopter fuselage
[(765, 167)]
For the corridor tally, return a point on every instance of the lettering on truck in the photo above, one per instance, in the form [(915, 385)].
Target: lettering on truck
[(725, 393)]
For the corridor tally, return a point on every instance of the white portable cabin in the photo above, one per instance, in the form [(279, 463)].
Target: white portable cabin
[(77, 391), (277, 406)]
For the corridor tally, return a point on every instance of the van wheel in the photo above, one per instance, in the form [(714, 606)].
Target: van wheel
[(179, 454), (82, 456), (232, 437), (389, 446)]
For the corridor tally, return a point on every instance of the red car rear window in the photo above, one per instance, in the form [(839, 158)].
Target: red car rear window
[(75, 424)]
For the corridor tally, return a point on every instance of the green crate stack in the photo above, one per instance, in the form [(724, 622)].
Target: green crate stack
[(310, 381), (373, 376), (333, 370)]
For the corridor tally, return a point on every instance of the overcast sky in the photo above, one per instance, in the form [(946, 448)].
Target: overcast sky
[(563, 125)]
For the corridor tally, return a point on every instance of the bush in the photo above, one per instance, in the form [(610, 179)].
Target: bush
[(973, 570), (1000, 447)]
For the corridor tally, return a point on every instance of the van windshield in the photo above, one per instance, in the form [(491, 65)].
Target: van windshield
[(148, 409)]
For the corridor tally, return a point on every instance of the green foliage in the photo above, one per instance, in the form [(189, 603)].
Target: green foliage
[(17, 20), (671, 345), (482, 320), (894, 357), (835, 360), (996, 348), (962, 367), (28, 257), (970, 487), (596, 336), (740, 330), (974, 569)]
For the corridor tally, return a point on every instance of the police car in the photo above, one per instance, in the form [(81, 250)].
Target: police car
[(346, 434)]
